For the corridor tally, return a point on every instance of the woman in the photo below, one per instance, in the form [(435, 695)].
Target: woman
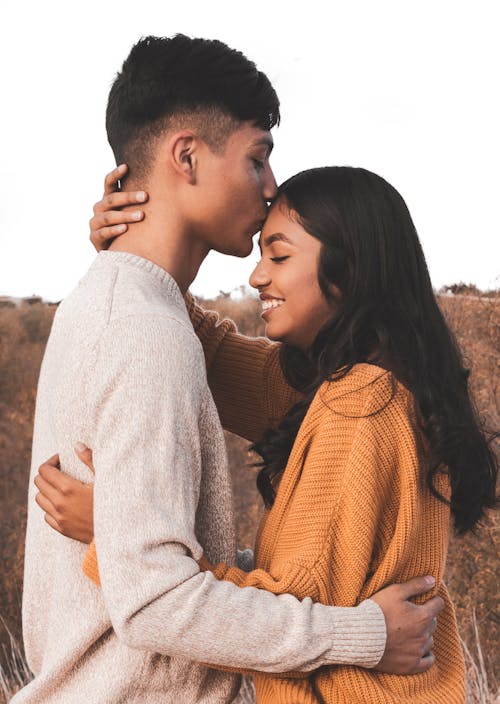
[(360, 476)]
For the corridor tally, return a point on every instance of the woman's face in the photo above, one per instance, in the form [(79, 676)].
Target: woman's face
[(294, 307)]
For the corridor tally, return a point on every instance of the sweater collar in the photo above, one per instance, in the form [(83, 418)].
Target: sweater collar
[(168, 284)]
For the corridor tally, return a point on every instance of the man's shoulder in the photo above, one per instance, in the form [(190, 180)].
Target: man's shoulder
[(125, 292), (158, 318), (152, 329), (148, 352)]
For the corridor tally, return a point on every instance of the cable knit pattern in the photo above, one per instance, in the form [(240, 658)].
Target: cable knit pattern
[(352, 514), (124, 373)]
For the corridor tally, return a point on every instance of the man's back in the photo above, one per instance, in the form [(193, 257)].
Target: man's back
[(69, 640)]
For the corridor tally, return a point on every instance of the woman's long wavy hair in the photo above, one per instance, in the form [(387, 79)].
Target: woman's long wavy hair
[(387, 314)]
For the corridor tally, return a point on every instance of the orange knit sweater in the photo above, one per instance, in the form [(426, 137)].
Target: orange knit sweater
[(352, 513)]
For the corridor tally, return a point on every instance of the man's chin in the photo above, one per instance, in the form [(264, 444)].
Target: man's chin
[(242, 251)]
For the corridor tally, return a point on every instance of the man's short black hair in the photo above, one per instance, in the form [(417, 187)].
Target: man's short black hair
[(166, 80)]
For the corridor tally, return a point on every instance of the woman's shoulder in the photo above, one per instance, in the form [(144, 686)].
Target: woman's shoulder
[(364, 390)]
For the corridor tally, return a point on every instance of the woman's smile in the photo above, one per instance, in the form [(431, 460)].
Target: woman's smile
[(269, 304)]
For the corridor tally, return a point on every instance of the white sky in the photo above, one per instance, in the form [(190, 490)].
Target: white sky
[(409, 90)]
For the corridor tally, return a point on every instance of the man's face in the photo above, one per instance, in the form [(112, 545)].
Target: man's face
[(234, 189)]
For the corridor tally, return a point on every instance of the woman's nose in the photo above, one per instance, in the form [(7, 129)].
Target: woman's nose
[(259, 276)]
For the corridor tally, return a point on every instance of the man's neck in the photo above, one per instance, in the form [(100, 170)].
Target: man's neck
[(164, 240)]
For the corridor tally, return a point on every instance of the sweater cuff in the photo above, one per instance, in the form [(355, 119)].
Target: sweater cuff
[(362, 640)]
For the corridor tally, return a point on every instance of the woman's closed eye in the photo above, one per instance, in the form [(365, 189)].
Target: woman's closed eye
[(277, 260)]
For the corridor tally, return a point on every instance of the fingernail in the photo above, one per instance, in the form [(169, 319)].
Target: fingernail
[(141, 196), (80, 447), (136, 216), (430, 580), (121, 228), (122, 166)]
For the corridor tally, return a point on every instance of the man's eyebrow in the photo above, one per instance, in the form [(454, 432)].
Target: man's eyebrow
[(275, 237), (266, 141)]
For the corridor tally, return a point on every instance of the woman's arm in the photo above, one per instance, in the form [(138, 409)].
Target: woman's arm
[(244, 374)]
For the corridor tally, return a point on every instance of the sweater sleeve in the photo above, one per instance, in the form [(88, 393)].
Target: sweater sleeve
[(365, 622), (244, 374), (146, 447)]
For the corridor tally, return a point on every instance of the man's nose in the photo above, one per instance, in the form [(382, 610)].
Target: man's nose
[(270, 187)]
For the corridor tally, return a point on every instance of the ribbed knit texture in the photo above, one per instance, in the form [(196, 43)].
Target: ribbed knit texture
[(353, 513), (124, 373)]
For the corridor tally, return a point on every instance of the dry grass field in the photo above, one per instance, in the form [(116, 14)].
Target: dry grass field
[(473, 566)]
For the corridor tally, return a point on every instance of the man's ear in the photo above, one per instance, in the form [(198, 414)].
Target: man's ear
[(183, 156)]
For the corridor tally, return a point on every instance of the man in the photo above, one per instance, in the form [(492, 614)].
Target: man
[(124, 373)]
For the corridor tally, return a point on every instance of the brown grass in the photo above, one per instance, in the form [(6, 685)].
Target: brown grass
[(473, 563)]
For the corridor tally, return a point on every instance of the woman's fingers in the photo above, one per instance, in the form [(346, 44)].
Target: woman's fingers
[(66, 502), (45, 504), (53, 461), (119, 199), (109, 221), (50, 471), (85, 455), (53, 523), (50, 512), (111, 179), (102, 238), (67, 509), (110, 218), (51, 491)]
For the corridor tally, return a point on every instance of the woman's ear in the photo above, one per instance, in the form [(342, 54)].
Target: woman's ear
[(182, 155), (335, 293)]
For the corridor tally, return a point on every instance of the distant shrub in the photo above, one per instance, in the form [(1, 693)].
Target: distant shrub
[(462, 289), (246, 312)]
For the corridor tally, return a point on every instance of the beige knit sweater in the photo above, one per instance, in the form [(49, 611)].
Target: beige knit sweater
[(124, 373)]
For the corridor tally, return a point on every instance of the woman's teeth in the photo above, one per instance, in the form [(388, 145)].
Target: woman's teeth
[(273, 303)]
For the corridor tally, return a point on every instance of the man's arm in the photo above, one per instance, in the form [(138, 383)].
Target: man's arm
[(409, 627), (146, 406)]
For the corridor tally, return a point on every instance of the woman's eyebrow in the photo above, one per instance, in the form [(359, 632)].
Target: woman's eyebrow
[(275, 237)]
